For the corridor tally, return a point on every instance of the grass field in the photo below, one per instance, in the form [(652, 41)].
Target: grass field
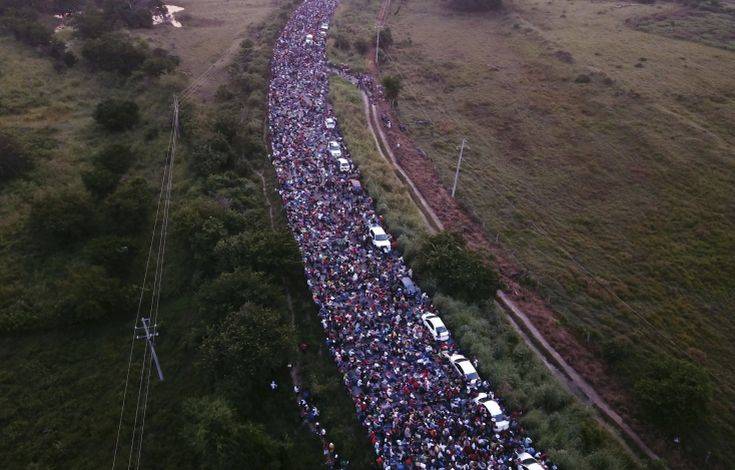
[(601, 156)]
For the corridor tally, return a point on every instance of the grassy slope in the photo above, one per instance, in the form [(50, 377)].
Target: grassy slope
[(62, 389), (559, 423), (631, 174)]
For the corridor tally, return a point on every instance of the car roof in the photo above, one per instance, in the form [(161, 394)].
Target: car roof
[(466, 366), (342, 160), (493, 407), (377, 229)]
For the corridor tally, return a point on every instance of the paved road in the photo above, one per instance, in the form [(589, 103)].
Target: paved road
[(418, 411)]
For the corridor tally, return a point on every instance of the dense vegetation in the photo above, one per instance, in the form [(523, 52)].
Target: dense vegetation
[(234, 305)]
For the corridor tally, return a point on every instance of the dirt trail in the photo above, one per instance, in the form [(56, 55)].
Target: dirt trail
[(562, 352)]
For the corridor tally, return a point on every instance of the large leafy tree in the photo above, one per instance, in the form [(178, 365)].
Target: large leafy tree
[(674, 394), (248, 343), (446, 262), (222, 441)]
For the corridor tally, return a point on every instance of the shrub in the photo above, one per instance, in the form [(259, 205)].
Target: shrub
[(14, 158), (100, 181), (221, 440), (456, 270), (114, 52), (117, 115), (341, 42), (362, 46), (160, 62), (127, 209), (113, 253), (392, 87), (232, 290), (674, 394), (116, 158), (88, 293), (91, 24), (274, 253), (60, 217), (386, 38), (246, 344), (211, 156)]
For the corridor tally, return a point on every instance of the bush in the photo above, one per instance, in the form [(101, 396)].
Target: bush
[(232, 290), (88, 293), (249, 343), (127, 209), (211, 156), (674, 394), (61, 217), (386, 38), (341, 42), (14, 158), (392, 87), (362, 46), (117, 115), (91, 24), (100, 181), (115, 254), (114, 52), (456, 271), (221, 440), (115, 158), (274, 253), (160, 62)]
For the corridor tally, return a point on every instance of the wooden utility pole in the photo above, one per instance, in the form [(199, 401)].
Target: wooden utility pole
[(459, 163)]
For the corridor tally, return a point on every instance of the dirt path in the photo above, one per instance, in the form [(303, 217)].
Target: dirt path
[(566, 357)]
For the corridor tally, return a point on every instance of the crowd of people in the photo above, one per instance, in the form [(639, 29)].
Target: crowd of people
[(418, 411)]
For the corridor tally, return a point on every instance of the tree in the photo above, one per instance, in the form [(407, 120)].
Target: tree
[(248, 343), (113, 253), (127, 209), (274, 253), (100, 181), (114, 52), (88, 293), (674, 394), (117, 115), (232, 290), (392, 86), (222, 441), (116, 158), (92, 23), (455, 270), (14, 158), (61, 217)]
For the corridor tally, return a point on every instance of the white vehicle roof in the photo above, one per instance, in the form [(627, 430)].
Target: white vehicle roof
[(309, 36), (377, 229), (334, 143), (433, 319), (343, 161), (529, 462)]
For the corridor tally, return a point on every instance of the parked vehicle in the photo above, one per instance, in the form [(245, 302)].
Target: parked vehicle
[(309, 39), (527, 462), (409, 287), (464, 367), (500, 421), (335, 150), (331, 123), (379, 238), (436, 327), (344, 165), (355, 186)]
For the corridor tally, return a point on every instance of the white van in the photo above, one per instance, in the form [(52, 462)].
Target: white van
[(344, 165)]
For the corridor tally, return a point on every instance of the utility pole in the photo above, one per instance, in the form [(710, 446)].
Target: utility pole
[(459, 163), (377, 44), (149, 335)]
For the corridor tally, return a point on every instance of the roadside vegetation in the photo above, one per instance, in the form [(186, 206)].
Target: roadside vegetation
[(463, 283), (599, 157), (82, 152)]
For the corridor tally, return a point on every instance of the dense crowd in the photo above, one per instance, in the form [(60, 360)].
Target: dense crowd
[(418, 411)]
